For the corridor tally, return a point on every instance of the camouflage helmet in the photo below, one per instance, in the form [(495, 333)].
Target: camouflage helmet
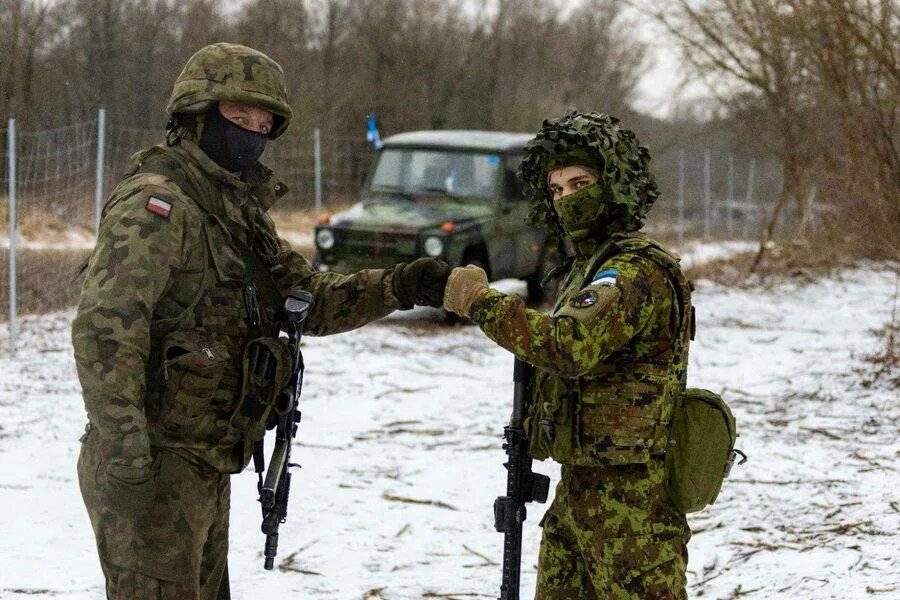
[(597, 141), (234, 73)]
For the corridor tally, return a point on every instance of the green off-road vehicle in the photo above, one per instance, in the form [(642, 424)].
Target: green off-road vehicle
[(452, 195)]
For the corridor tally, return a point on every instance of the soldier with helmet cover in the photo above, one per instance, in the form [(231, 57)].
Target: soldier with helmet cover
[(610, 359), (188, 270)]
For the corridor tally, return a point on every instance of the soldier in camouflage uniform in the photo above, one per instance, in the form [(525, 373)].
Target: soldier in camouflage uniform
[(186, 276), (610, 358)]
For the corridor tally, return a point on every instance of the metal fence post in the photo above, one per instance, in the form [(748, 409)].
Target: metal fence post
[(13, 233), (680, 196), (707, 192), (729, 217), (317, 153), (748, 200), (101, 153)]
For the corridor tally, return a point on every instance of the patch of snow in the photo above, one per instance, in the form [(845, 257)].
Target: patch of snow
[(698, 252), (301, 239), (409, 410)]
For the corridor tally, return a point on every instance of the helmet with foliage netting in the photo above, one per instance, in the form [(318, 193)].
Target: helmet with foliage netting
[(234, 73), (593, 140)]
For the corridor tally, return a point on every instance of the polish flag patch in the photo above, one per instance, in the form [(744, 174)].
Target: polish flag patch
[(159, 207)]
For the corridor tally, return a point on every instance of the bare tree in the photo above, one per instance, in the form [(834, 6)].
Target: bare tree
[(25, 23), (822, 75)]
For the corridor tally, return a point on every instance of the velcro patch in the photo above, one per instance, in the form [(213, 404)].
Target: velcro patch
[(605, 277), (584, 299), (159, 207), (589, 303)]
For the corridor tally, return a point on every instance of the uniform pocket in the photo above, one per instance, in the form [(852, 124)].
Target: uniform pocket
[(617, 424), (193, 366), (228, 263)]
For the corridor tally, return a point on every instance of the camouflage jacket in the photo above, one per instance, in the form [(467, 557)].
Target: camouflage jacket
[(163, 323), (610, 356)]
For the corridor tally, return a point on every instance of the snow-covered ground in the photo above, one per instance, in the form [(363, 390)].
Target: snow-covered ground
[(695, 252), (400, 446)]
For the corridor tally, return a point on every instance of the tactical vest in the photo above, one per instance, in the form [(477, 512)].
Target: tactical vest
[(623, 415), (197, 374)]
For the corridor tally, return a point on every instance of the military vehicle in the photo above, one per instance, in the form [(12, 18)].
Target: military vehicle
[(451, 195)]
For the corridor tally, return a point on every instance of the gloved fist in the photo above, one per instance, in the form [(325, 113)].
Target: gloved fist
[(130, 491), (420, 282), (464, 286)]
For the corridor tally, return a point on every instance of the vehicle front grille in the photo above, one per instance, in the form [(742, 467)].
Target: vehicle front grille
[(375, 244)]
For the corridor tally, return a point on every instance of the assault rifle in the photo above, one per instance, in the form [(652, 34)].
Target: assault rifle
[(522, 485), (274, 490)]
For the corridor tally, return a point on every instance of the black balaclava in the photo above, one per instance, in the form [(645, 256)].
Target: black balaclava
[(229, 145)]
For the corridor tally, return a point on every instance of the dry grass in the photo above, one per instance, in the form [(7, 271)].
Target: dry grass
[(41, 224), (48, 280), (304, 220)]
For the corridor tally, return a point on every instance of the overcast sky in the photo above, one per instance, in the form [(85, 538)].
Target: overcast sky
[(663, 87)]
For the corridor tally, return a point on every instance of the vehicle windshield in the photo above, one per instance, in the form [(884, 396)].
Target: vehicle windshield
[(420, 173)]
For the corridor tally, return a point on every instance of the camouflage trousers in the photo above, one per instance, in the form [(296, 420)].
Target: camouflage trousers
[(179, 549), (612, 534)]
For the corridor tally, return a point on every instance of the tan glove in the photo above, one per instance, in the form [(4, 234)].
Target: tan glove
[(464, 286)]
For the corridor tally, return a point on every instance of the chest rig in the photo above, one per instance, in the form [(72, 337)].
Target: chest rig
[(620, 414), (203, 360)]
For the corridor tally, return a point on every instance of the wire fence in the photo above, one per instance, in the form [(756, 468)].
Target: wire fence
[(54, 182), (711, 193)]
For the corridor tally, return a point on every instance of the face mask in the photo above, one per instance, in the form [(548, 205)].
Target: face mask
[(583, 212), (229, 145)]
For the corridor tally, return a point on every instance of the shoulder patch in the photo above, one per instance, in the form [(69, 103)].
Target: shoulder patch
[(159, 207), (584, 299), (588, 303), (605, 277)]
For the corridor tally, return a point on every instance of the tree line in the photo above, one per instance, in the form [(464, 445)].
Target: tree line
[(814, 82), (414, 63)]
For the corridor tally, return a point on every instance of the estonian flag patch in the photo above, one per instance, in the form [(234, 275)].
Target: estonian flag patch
[(605, 277)]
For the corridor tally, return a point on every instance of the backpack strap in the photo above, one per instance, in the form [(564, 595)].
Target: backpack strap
[(650, 249)]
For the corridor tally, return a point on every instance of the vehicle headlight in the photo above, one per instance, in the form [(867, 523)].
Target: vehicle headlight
[(325, 239), (434, 246)]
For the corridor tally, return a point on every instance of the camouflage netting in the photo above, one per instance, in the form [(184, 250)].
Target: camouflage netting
[(597, 141)]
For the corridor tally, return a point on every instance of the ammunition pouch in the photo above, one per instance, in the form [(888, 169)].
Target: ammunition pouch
[(193, 366), (590, 422), (548, 423), (267, 369)]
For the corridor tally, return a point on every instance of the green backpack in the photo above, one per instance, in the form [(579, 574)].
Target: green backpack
[(701, 449)]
